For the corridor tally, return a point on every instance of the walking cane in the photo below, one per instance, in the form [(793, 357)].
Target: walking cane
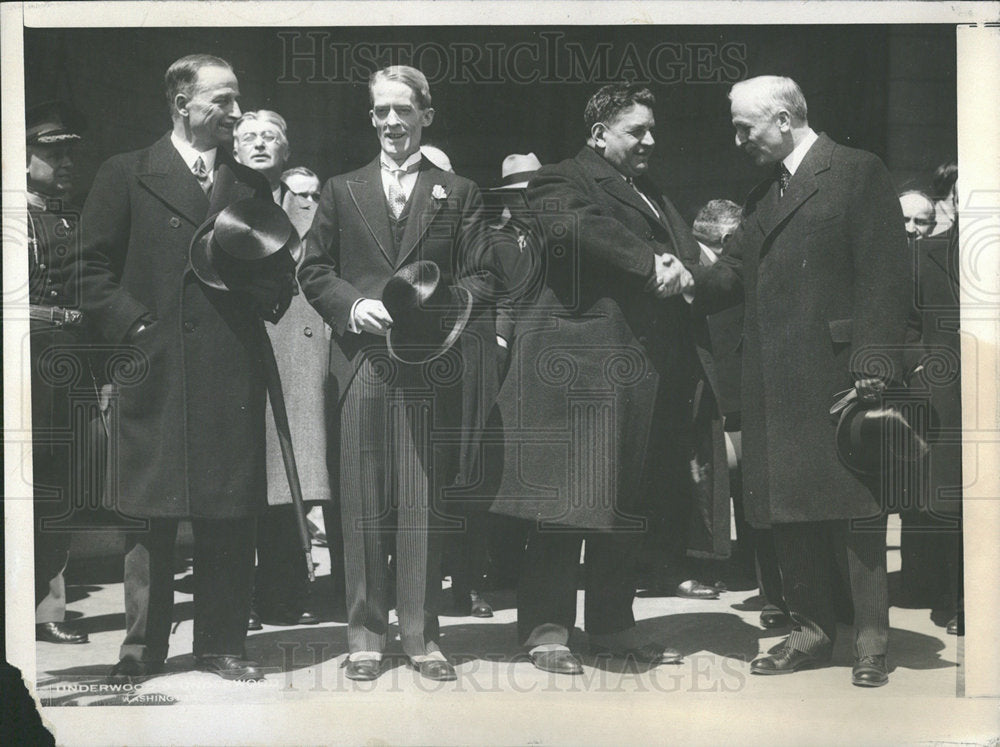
[(277, 397)]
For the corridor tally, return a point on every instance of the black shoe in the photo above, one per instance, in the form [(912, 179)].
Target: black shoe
[(787, 661), (230, 668), (59, 632), (362, 670), (308, 618), (870, 671), (956, 625), (435, 669), (135, 668), (480, 607), (560, 661), (649, 653), (773, 617), (253, 622), (692, 589)]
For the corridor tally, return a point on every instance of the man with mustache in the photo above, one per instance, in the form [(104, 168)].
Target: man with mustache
[(189, 410), (395, 211)]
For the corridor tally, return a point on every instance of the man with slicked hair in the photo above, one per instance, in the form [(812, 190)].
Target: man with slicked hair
[(189, 411), (822, 263), (370, 224)]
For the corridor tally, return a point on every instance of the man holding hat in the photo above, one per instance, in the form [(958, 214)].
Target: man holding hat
[(372, 224), (189, 399), (53, 129)]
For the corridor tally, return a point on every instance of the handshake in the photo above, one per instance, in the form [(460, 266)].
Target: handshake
[(671, 277)]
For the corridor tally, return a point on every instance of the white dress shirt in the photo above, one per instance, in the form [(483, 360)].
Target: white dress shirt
[(190, 154), (793, 159)]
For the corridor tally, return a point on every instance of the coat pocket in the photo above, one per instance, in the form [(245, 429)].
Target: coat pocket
[(822, 223), (840, 330)]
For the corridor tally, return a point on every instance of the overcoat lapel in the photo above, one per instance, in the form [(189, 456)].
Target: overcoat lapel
[(369, 199), (801, 188), (168, 177), (422, 209)]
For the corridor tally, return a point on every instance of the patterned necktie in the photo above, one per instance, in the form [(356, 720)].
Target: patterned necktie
[(784, 176), (397, 196), (201, 174)]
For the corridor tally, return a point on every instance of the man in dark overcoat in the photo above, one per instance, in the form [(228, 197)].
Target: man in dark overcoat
[(189, 441), (397, 210), (822, 262), (602, 359)]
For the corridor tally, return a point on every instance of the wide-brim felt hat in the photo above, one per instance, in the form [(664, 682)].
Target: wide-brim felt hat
[(249, 237), (871, 439), (517, 169), (428, 316)]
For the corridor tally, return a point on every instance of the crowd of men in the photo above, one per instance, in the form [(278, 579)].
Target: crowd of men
[(436, 366)]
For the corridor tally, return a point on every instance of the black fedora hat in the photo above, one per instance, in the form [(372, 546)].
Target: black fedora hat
[(249, 237), (427, 315), (870, 439)]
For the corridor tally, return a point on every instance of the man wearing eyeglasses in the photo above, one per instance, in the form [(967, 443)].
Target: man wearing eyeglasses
[(301, 197), (301, 345)]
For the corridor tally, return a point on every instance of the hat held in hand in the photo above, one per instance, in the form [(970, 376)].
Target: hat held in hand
[(865, 434), (251, 238), (427, 315)]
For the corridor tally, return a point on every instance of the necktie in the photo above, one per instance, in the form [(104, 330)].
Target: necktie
[(201, 173), (397, 196), (645, 199), (784, 176)]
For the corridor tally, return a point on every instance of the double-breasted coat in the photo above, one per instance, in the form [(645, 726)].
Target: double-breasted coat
[(827, 282), (596, 356), (190, 392)]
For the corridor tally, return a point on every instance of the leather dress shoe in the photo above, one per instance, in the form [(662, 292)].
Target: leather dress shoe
[(692, 589), (59, 632), (308, 618), (870, 671), (253, 621), (649, 653), (435, 669), (786, 661), (362, 670), (956, 625), (773, 617), (480, 607), (135, 668), (231, 668), (559, 661)]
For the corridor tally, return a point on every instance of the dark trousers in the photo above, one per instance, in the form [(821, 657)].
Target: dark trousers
[(391, 472), (223, 573), (811, 554), (281, 579), (546, 595)]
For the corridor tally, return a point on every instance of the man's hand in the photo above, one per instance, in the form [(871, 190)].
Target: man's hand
[(869, 390), (371, 316), (671, 278)]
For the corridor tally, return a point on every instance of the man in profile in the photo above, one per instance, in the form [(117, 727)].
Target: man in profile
[(822, 263)]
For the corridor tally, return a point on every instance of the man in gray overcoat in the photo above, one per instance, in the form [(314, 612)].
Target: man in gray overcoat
[(822, 263)]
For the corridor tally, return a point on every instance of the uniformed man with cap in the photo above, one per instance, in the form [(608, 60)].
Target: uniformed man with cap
[(53, 129)]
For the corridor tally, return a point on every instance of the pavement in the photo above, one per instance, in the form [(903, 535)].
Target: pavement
[(304, 664)]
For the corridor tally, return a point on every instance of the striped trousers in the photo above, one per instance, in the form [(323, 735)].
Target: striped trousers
[(392, 471), (811, 556)]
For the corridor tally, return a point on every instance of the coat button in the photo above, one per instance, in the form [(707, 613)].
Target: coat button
[(175, 222), (53, 293), (643, 339), (189, 326), (308, 332)]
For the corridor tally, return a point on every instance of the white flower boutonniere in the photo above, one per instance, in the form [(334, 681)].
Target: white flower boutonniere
[(438, 192)]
